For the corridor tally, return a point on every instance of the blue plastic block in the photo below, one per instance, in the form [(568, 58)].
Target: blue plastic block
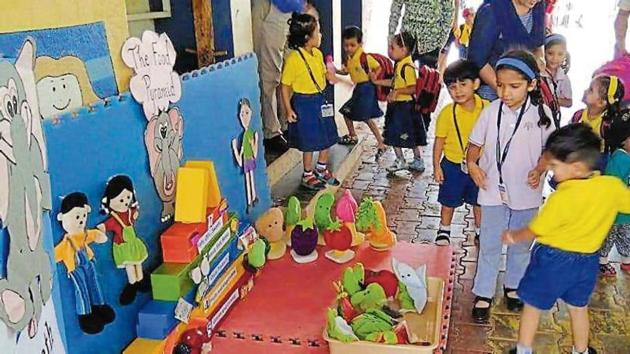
[(156, 319)]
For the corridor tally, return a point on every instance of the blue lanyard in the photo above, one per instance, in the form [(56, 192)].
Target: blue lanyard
[(501, 157)]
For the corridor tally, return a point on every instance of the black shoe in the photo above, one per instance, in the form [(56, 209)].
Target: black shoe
[(443, 238), (277, 145), (481, 314), (477, 239), (128, 294), (90, 323), (512, 351), (144, 285), (512, 304), (104, 312)]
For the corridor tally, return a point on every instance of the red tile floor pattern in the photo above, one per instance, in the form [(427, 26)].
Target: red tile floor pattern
[(410, 201)]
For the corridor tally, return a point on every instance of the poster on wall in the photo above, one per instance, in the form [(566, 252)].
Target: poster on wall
[(67, 77), (156, 85), (27, 314)]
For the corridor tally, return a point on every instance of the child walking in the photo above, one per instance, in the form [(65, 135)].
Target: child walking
[(556, 60), (504, 160), (452, 131), (603, 104), (569, 231), (404, 127), (363, 105), (618, 166), (311, 118)]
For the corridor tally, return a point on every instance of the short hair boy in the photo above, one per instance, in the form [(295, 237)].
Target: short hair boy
[(454, 125), (569, 231)]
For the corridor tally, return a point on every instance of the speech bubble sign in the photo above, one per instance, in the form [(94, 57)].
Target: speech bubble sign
[(155, 85)]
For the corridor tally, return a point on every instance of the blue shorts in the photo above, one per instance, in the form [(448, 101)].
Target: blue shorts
[(555, 274), (458, 188)]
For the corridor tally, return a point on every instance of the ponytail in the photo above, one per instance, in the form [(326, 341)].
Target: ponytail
[(537, 98), (612, 91)]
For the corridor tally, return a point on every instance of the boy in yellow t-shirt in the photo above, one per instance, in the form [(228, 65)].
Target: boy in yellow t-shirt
[(452, 130), (569, 231)]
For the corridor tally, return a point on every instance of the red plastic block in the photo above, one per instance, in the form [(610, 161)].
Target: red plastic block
[(177, 245)]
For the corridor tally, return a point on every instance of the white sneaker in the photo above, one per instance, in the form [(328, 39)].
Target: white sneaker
[(399, 164), (417, 165)]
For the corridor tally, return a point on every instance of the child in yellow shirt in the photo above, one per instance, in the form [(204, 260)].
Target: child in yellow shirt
[(452, 130), (363, 105), (569, 231)]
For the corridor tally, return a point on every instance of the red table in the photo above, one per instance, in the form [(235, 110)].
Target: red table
[(286, 311)]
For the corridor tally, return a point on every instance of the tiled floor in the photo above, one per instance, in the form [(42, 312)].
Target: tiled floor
[(413, 212)]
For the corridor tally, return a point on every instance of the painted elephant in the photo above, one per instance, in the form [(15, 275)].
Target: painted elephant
[(163, 138), (24, 195)]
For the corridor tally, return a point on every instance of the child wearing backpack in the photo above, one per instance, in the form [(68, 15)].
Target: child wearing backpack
[(363, 105), (603, 105), (504, 159), (618, 166), (311, 118), (404, 127), (569, 231), (452, 129)]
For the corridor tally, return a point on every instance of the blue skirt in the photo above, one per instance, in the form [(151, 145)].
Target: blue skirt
[(404, 126), (311, 132), (363, 105)]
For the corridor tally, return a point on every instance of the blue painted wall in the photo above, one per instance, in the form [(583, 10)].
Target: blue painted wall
[(181, 30), (84, 151)]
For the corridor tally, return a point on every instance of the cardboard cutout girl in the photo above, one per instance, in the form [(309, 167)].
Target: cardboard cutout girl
[(246, 156), (75, 253), (119, 202)]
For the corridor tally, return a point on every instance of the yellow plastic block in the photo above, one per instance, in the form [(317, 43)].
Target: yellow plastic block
[(191, 199), (214, 193), (145, 346)]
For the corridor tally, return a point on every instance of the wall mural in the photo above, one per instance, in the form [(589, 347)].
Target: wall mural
[(68, 77), (155, 85), (27, 315)]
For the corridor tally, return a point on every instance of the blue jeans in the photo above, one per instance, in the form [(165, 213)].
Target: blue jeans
[(494, 220)]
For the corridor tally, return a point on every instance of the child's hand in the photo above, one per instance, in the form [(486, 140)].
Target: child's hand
[(507, 237), (291, 116), (438, 175), (392, 96), (373, 76), (533, 178), (478, 175)]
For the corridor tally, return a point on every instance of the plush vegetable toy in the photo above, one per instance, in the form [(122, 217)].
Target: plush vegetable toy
[(372, 297), (337, 328), (352, 279), (323, 218), (385, 279), (304, 242), (375, 326), (256, 256), (346, 211), (292, 215), (269, 226), (339, 238), (373, 221)]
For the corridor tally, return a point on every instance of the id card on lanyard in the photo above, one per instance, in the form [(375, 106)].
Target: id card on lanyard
[(464, 165), (327, 109), (500, 157)]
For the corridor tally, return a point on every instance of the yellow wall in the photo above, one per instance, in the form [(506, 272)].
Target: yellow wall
[(25, 15)]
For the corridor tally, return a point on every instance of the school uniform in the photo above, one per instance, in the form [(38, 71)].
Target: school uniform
[(520, 145), (404, 127), (562, 85), (454, 124), (570, 230), (312, 131), (596, 124), (363, 105)]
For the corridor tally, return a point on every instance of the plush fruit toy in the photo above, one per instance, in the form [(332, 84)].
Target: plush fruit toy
[(256, 256), (304, 241), (194, 341), (346, 210), (292, 215), (385, 279), (339, 238)]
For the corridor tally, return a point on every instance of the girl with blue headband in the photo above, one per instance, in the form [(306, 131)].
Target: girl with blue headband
[(505, 160), (557, 64)]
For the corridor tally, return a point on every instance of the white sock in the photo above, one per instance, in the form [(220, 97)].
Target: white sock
[(445, 227), (477, 230), (573, 351), (603, 260), (522, 349)]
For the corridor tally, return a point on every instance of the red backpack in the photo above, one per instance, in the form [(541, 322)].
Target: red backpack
[(386, 72), (428, 87)]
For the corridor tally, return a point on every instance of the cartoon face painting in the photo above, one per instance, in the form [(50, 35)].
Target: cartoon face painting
[(245, 115), (59, 95), (121, 202)]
